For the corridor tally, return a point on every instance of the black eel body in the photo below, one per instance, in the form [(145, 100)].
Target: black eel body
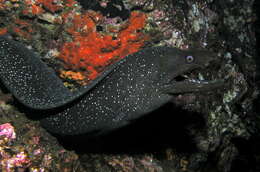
[(129, 89), (31, 81)]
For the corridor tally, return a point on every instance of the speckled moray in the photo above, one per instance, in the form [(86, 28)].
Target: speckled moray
[(31, 81), (133, 87)]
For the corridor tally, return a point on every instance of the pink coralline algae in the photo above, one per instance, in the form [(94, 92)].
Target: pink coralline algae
[(7, 130), (10, 160), (19, 160), (28, 152)]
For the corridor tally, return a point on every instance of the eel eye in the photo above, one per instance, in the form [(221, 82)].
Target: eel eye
[(189, 59)]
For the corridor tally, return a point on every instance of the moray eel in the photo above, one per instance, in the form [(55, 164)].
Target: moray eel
[(131, 88), (31, 81)]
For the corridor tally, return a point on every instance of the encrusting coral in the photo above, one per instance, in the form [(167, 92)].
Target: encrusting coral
[(92, 50), (81, 47)]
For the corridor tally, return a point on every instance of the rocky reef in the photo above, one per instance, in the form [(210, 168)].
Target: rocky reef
[(205, 131)]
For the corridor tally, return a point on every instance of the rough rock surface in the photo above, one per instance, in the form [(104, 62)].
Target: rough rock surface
[(212, 131)]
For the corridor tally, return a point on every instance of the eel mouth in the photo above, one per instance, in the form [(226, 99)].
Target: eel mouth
[(195, 81)]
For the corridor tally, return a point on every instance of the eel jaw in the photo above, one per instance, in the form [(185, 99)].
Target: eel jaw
[(185, 83)]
